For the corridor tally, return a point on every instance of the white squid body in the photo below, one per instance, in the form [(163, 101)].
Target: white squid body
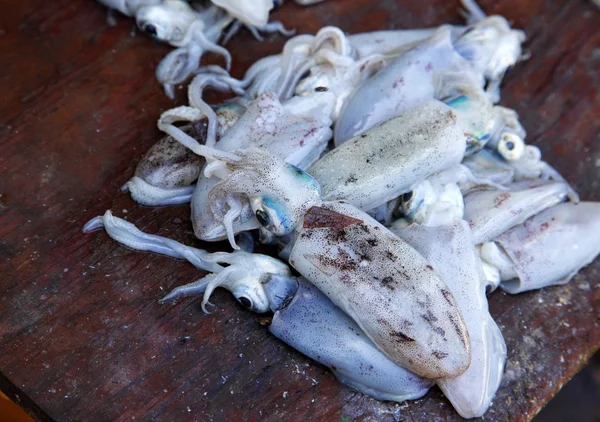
[(165, 175), (388, 160), (493, 30), (451, 252), (486, 165), (483, 52), (288, 131), (551, 247), (406, 82), (491, 213), (314, 326), (254, 13), (384, 285), (389, 43)]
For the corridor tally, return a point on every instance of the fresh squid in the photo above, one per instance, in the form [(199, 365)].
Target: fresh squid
[(303, 316), (407, 148), (167, 172), (242, 274), (410, 78), (194, 28), (388, 160), (491, 212), (294, 131), (386, 286), (308, 321), (450, 250), (547, 249)]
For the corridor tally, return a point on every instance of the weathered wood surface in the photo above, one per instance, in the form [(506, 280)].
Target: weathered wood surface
[(81, 333)]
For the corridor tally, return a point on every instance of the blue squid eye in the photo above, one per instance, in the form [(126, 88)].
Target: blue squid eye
[(277, 213)]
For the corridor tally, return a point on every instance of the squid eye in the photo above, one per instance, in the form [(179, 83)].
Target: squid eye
[(262, 217), (247, 303), (321, 89), (511, 147), (407, 196), (150, 30)]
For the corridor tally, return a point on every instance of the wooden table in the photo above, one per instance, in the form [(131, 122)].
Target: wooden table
[(82, 336)]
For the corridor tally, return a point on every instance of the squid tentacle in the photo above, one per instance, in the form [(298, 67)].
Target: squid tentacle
[(218, 78), (177, 66), (235, 210), (165, 124), (129, 235)]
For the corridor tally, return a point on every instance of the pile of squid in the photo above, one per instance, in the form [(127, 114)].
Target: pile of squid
[(397, 190)]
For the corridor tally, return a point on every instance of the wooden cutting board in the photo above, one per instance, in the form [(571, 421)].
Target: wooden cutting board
[(82, 336)]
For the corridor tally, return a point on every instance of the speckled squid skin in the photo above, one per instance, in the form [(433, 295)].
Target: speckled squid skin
[(166, 173), (169, 164), (388, 160), (450, 250), (551, 247), (314, 326), (293, 131), (491, 212), (386, 286)]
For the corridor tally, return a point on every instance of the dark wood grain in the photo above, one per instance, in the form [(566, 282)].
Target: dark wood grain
[(81, 332)]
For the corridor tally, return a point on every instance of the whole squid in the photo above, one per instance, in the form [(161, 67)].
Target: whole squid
[(303, 316), (166, 173), (388, 160), (547, 249), (451, 251), (420, 142)]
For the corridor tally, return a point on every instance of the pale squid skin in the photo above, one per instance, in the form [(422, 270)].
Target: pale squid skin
[(282, 190), (450, 250), (529, 166), (166, 173), (288, 131), (491, 212), (385, 286), (242, 276), (313, 325), (388, 160), (484, 52), (255, 13), (486, 164), (547, 249), (406, 82)]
